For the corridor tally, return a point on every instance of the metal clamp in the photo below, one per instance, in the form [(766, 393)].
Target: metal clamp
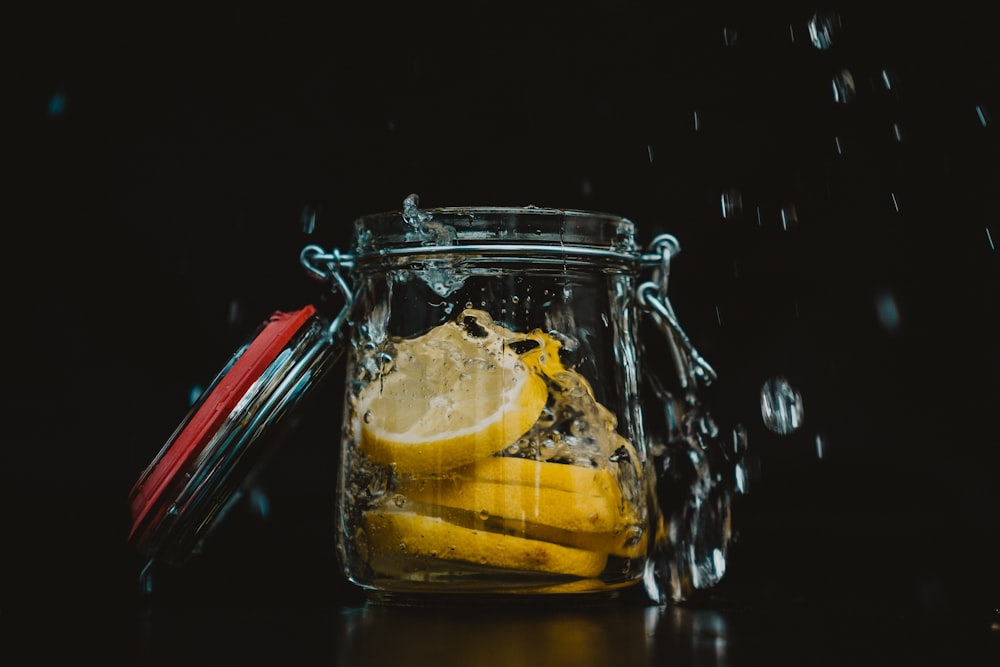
[(693, 370), (325, 266)]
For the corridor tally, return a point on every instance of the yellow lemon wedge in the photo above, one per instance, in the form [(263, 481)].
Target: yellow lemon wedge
[(453, 395), (392, 533)]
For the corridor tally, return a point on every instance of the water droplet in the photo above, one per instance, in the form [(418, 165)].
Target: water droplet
[(706, 425), (897, 132), (789, 217), (514, 299), (259, 503), (195, 393), (368, 417), (781, 406), (649, 151), (731, 202), (484, 514), (838, 145), (989, 239), (820, 446), (982, 115), (823, 27), (233, 316), (729, 36), (844, 88), (741, 440), (718, 315), (895, 203), (308, 220), (412, 214), (57, 104), (697, 122), (887, 310), (741, 480), (887, 79)]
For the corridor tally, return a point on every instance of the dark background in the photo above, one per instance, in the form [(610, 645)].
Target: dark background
[(165, 162)]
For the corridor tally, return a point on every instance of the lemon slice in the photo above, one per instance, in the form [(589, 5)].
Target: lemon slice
[(393, 533), (456, 394), (567, 497)]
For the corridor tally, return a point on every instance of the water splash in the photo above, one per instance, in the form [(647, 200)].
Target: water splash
[(440, 275), (697, 475), (781, 406), (413, 215)]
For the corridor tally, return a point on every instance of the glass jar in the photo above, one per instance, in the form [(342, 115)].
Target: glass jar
[(494, 439)]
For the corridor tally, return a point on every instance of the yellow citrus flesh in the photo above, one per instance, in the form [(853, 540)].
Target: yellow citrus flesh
[(416, 535), (456, 394)]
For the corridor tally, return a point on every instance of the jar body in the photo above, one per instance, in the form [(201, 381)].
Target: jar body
[(492, 436)]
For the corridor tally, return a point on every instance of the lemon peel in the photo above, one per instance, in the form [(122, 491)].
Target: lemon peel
[(427, 536)]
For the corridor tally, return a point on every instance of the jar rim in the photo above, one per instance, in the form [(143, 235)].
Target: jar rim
[(453, 228)]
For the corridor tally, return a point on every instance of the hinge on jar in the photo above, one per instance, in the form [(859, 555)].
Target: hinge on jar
[(325, 266), (692, 369)]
